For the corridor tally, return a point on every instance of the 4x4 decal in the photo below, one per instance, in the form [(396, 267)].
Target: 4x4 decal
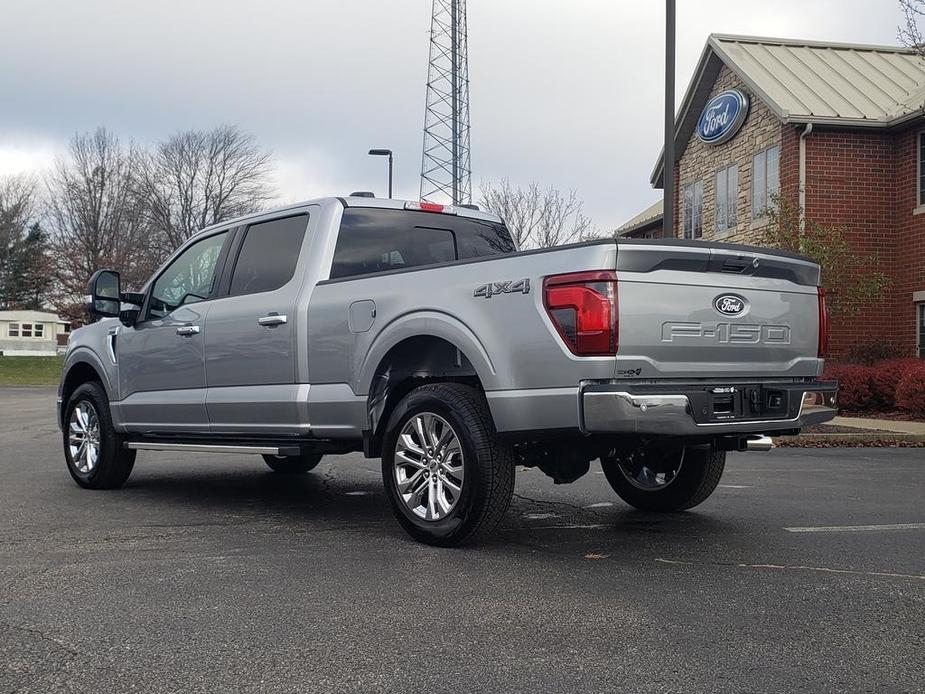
[(486, 291)]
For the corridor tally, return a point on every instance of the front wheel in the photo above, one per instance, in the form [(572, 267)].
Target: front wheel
[(665, 478), (92, 447), (448, 477)]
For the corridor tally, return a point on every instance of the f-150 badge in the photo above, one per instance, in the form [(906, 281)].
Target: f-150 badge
[(486, 291)]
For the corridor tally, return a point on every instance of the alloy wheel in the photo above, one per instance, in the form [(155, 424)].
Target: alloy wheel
[(84, 437), (428, 466), (649, 476)]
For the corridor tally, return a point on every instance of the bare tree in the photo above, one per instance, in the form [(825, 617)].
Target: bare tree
[(198, 178), (537, 218), (95, 217), (909, 33)]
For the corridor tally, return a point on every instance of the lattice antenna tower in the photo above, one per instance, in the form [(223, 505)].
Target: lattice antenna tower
[(446, 172)]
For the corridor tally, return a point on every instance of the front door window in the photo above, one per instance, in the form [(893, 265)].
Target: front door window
[(188, 279)]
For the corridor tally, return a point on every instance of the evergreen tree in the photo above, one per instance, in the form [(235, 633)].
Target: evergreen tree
[(29, 272)]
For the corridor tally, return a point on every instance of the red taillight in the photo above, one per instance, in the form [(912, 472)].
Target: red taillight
[(823, 324), (583, 307)]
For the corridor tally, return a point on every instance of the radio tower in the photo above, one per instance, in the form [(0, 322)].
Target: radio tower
[(446, 173)]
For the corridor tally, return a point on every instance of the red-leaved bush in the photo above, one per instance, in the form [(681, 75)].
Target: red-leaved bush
[(885, 378), (854, 392), (910, 393)]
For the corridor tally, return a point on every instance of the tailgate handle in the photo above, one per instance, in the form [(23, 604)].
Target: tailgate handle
[(739, 265)]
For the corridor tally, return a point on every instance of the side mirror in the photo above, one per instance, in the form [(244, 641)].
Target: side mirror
[(104, 298)]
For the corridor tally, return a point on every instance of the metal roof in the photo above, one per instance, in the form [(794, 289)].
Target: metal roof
[(806, 81), (652, 214), (834, 84)]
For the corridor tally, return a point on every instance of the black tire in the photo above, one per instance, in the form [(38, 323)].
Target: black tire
[(697, 477), (114, 463), (293, 464), (488, 465)]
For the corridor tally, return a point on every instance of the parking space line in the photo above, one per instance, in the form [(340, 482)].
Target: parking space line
[(855, 528), (795, 567)]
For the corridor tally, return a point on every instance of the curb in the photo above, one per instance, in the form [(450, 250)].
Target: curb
[(866, 440)]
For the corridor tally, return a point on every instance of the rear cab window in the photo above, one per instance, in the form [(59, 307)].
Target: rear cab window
[(376, 240)]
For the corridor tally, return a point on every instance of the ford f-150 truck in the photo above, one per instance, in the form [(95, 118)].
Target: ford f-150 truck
[(420, 335)]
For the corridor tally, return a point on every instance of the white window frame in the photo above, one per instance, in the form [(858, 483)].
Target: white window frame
[(12, 330), (692, 211), (38, 330), (919, 188), (730, 201), (760, 208), (25, 330), (920, 329)]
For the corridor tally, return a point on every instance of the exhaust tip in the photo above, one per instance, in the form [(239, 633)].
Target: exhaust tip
[(759, 443)]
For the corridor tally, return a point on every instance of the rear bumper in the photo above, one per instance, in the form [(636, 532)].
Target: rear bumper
[(687, 411)]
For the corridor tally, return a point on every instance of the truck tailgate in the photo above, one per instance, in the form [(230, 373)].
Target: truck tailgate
[(693, 310)]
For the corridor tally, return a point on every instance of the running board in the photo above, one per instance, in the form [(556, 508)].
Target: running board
[(206, 448)]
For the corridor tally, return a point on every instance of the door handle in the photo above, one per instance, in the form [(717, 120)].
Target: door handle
[(187, 330), (271, 320)]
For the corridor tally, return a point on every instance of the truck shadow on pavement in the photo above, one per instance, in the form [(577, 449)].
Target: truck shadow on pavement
[(348, 494)]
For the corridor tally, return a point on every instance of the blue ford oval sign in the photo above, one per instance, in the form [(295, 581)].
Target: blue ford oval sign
[(722, 117)]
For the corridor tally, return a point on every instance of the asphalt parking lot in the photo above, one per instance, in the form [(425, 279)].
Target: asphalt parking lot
[(212, 574)]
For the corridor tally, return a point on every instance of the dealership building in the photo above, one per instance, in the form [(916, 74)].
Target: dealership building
[(835, 130)]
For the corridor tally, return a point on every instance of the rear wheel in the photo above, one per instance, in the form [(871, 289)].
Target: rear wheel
[(293, 464), (448, 477), (92, 447), (665, 478)]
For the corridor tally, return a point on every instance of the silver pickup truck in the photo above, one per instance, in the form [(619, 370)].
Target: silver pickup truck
[(419, 334)]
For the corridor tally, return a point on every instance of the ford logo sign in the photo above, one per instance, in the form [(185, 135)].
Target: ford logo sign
[(729, 304), (722, 117)]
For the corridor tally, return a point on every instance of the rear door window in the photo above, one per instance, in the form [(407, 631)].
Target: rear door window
[(268, 255), (374, 240)]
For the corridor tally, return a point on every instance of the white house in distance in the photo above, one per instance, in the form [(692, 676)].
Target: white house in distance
[(32, 333)]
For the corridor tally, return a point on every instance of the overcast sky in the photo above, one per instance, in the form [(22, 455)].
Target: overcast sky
[(564, 92)]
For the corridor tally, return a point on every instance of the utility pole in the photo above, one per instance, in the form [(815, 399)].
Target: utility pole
[(668, 160)]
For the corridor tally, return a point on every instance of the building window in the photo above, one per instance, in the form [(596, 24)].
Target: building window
[(921, 330), (693, 210), (765, 180), (727, 193), (26, 330)]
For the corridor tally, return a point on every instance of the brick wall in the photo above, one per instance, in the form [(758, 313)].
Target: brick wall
[(701, 161), (909, 236), (863, 181), (851, 183)]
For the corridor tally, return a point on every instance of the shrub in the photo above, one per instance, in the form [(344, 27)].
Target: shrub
[(869, 353), (910, 393), (854, 392), (886, 377)]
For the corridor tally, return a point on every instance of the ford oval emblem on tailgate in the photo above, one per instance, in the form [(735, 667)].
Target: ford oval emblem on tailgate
[(729, 304)]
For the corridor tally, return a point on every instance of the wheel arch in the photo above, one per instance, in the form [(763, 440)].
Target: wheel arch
[(80, 369), (411, 362)]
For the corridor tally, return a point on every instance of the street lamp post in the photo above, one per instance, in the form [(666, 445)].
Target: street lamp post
[(385, 153), (668, 166)]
